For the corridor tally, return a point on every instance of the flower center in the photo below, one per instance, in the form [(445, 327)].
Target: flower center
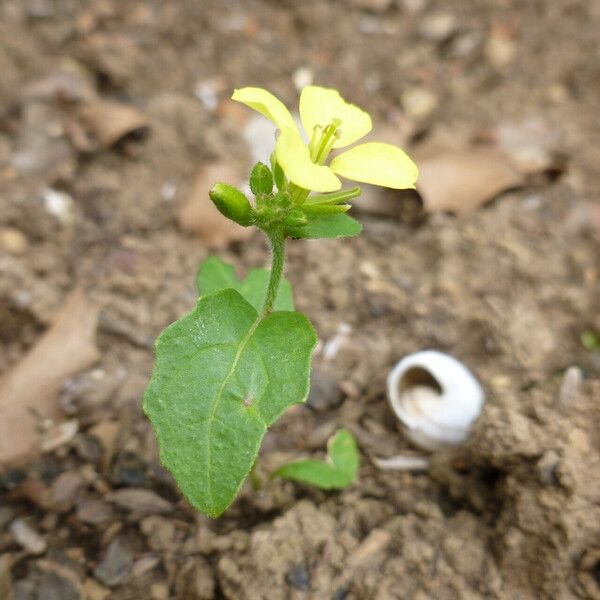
[(322, 141)]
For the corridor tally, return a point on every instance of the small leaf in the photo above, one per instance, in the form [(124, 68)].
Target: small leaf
[(232, 203), (223, 375), (261, 180), (327, 226), (215, 275), (337, 472), (590, 341)]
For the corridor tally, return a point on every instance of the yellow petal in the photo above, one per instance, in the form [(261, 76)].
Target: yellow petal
[(319, 106), (266, 104), (377, 163), (293, 156)]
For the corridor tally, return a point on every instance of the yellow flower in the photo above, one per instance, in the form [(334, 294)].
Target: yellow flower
[(330, 122)]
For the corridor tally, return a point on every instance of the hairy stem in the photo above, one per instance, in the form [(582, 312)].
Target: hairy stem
[(277, 240)]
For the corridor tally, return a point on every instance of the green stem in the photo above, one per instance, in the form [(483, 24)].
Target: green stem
[(277, 240)]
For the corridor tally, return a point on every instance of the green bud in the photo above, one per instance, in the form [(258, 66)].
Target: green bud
[(261, 180), (232, 203)]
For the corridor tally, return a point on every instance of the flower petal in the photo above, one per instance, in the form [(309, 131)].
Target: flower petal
[(293, 156), (319, 106), (266, 104), (377, 163)]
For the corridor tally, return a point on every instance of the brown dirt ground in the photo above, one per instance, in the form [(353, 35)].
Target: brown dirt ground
[(508, 288)]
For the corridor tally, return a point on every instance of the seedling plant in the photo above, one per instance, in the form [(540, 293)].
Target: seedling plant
[(226, 371)]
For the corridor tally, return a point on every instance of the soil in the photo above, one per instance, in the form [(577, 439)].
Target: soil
[(508, 288)]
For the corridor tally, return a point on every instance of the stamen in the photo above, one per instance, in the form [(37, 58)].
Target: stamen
[(328, 139), (315, 140)]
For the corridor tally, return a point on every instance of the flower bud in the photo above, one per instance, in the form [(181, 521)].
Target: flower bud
[(261, 179), (232, 203)]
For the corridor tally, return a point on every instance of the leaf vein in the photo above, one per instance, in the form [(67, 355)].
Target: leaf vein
[(212, 416)]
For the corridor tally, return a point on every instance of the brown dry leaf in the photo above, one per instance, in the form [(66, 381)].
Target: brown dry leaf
[(458, 174), (533, 145), (456, 179), (107, 122), (461, 181), (29, 390), (200, 216)]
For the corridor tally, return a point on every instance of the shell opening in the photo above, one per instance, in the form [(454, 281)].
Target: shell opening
[(419, 377)]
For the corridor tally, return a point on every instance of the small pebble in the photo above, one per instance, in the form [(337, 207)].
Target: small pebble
[(325, 392), (299, 577), (60, 435), (438, 27), (27, 537), (6, 516), (418, 102), (13, 241), (94, 511), (159, 591), (59, 204), (94, 591), (141, 501), (500, 49), (116, 565)]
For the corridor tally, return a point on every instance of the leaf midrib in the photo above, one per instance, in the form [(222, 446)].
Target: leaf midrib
[(212, 416)]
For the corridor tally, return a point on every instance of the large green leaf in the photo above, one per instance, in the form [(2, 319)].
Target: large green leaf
[(337, 472), (223, 375), (215, 275), (327, 226)]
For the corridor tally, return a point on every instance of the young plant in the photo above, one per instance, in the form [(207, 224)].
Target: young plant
[(335, 473), (230, 368)]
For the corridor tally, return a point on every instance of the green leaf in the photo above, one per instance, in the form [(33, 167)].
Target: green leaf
[(223, 375), (337, 472), (327, 226), (261, 180), (590, 341), (215, 275)]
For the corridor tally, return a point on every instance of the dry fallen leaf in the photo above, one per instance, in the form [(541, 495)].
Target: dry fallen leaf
[(107, 122), (29, 391), (200, 216), (533, 145), (459, 181), (458, 173)]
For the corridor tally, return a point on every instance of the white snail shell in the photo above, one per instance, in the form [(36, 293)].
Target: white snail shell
[(436, 398)]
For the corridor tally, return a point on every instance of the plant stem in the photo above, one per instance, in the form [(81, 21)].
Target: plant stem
[(277, 240)]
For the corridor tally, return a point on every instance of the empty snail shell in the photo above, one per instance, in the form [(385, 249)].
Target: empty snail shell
[(436, 398)]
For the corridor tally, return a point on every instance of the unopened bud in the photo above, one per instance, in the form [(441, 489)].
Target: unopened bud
[(261, 179), (232, 203)]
